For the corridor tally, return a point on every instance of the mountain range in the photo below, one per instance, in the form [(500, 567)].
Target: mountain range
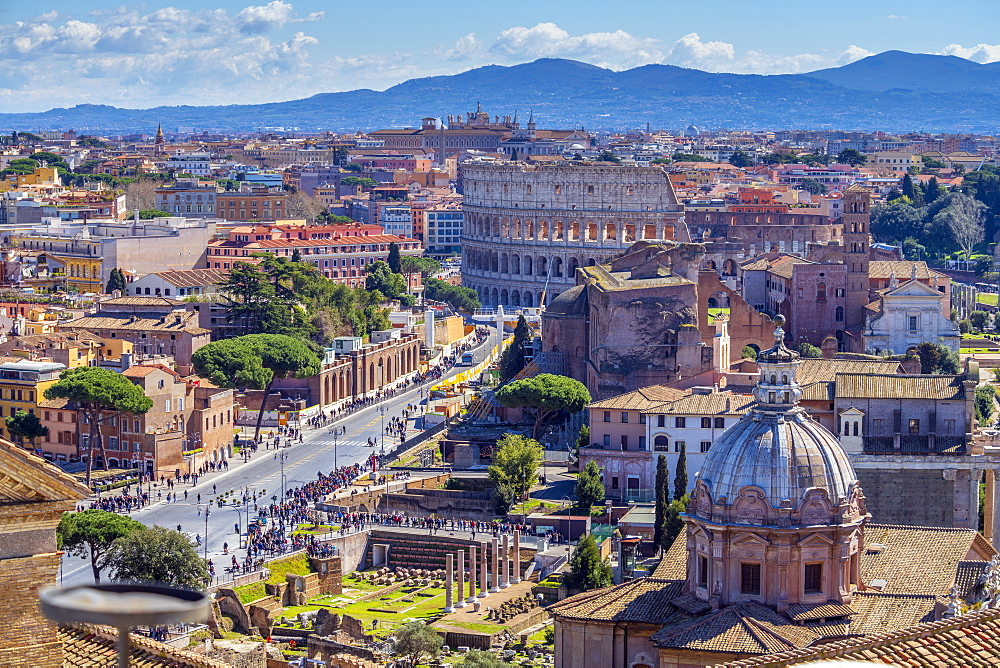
[(891, 91)]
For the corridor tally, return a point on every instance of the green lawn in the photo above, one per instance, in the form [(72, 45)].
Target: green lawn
[(989, 298)]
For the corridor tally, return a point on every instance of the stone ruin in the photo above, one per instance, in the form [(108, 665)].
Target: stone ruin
[(512, 608), (422, 577)]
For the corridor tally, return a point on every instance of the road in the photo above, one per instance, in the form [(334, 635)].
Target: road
[(263, 475)]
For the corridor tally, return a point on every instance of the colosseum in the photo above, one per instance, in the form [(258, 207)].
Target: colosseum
[(528, 227)]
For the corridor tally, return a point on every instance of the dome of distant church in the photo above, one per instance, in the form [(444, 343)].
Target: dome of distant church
[(777, 447)]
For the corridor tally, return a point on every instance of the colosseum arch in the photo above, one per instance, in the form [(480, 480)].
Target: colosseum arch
[(529, 229), (526, 266), (495, 297), (574, 231), (504, 264), (611, 232), (558, 232), (543, 229), (494, 261), (515, 264), (515, 298), (557, 267), (649, 231), (729, 267), (629, 233), (542, 266), (504, 227), (574, 264), (517, 229), (504, 297)]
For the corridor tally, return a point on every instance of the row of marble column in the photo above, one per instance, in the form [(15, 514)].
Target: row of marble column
[(491, 580)]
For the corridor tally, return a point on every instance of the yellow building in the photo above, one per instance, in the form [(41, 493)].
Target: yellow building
[(22, 385), (40, 321), (40, 176)]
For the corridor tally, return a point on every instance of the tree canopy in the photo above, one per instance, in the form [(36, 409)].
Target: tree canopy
[(91, 533), (546, 394), (740, 159), (415, 640), (512, 358), (515, 465), (155, 554), (382, 278), (586, 568), (95, 390), (24, 425), (255, 361), (589, 489), (460, 298)]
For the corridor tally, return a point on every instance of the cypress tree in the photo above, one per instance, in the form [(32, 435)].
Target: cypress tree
[(512, 360), (395, 262), (296, 255), (681, 474), (662, 498)]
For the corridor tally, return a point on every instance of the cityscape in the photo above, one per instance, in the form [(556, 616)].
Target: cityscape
[(545, 343)]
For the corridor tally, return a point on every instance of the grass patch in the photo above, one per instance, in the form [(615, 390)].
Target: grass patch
[(988, 298), (315, 529), (474, 626), (250, 592), (296, 564)]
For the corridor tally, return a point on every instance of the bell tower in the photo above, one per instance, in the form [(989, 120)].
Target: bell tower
[(857, 241)]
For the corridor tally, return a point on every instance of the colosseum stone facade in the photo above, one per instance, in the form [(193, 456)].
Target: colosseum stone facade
[(528, 227)]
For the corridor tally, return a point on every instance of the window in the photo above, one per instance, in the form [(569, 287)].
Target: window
[(180, 403), (679, 422), (624, 417), (706, 423), (661, 420), (642, 442), (607, 440), (624, 442), (839, 314), (914, 426), (812, 581), (679, 445), (661, 443), (720, 423), (614, 482), (166, 405), (112, 442), (703, 572), (840, 292), (705, 445), (642, 418), (607, 416), (821, 292), (750, 579), (913, 323)]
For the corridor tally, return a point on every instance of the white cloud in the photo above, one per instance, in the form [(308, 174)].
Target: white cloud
[(853, 53), (896, 17), (690, 51), (547, 40), (465, 48), (258, 19), (981, 53)]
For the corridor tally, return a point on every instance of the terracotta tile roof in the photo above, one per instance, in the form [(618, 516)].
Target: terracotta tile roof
[(673, 564), (141, 322), (967, 575), (191, 278), (86, 646), (801, 613), (784, 266), (717, 403), (142, 301), (641, 399), (642, 600), (818, 392), (877, 386), (746, 627), (691, 604), (901, 269), (812, 370), (143, 370), (916, 560), (968, 640), (877, 612)]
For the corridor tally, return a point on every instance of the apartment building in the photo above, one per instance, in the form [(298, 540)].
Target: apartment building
[(189, 198)]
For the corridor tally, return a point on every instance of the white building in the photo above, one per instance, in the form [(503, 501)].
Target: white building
[(197, 164), (397, 219), (443, 230), (908, 315), (178, 283)]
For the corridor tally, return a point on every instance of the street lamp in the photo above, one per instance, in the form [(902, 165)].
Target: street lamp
[(282, 456), (336, 431), (208, 511)]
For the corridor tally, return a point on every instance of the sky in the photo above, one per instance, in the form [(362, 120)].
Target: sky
[(203, 52)]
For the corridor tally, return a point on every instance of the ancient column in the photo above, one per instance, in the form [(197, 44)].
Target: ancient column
[(506, 562), (517, 556), (472, 574), (449, 587), (460, 602), (495, 580), (483, 593)]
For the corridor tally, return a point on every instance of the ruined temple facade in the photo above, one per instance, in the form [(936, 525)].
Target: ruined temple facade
[(643, 319), (529, 227)]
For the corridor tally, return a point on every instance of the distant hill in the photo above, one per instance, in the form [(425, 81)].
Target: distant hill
[(898, 70), (891, 91)]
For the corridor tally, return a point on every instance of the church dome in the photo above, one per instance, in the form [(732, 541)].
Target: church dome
[(785, 455), (569, 302), (777, 447)]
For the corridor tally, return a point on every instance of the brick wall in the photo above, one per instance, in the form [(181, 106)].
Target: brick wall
[(911, 497), (28, 639)]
